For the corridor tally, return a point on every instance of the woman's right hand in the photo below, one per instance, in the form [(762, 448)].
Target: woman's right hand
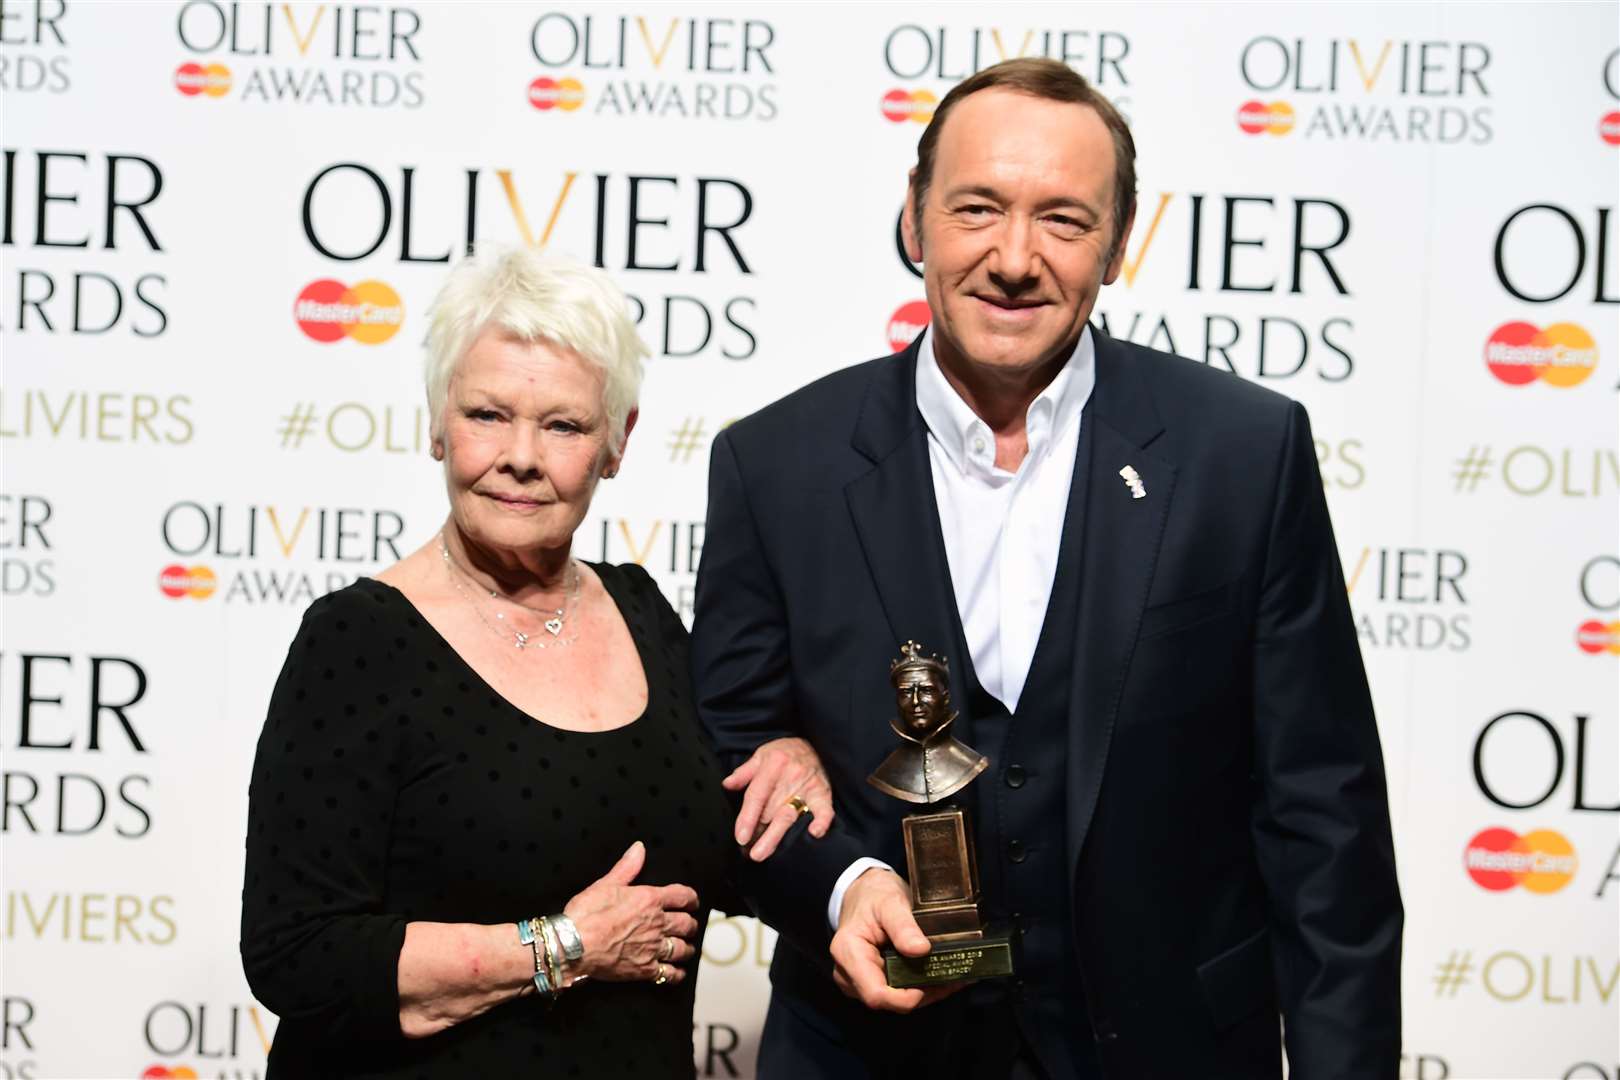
[(633, 932)]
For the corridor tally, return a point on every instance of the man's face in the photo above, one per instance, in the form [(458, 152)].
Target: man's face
[(921, 701), (1017, 236)]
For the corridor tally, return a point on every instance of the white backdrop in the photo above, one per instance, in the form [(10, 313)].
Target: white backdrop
[(1404, 216)]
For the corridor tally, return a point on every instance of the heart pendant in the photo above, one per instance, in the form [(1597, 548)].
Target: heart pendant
[(554, 626)]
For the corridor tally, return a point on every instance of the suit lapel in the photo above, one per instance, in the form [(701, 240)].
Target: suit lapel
[(1119, 553), (896, 518)]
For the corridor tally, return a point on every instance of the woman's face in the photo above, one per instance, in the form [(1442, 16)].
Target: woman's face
[(525, 440)]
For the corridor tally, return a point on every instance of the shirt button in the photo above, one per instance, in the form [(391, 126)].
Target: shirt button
[(1015, 776), (1016, 851)]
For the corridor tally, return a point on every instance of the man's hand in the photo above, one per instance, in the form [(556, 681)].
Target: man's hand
[(777, 771), (876, 911)]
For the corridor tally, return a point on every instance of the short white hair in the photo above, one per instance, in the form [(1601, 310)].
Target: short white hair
[(533, 297)]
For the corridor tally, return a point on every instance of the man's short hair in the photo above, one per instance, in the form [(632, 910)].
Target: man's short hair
[(1052, 81)]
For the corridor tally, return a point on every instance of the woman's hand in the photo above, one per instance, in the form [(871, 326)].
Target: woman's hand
[(777, 772), (633, 932)]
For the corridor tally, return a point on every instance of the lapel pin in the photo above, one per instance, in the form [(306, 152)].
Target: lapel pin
[(1133, 481)]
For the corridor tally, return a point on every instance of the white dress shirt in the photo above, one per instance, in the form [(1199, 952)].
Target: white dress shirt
[(1001, 528)]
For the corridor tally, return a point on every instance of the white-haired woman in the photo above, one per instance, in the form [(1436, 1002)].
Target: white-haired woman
[(481, 782)]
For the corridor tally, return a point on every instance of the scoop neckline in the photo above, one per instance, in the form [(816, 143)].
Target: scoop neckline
[(612, 591)]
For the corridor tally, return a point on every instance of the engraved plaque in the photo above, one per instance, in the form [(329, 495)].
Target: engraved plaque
[(938, 873)]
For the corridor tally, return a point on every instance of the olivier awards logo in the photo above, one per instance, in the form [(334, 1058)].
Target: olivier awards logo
[(682, 68), (1348, 90), (341, 55), (684, 238), (270, 554)]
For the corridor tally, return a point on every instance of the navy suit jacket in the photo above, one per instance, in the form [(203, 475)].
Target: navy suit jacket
[(1227, 820)]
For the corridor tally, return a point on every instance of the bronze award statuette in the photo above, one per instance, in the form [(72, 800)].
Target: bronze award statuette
[(928, 767)]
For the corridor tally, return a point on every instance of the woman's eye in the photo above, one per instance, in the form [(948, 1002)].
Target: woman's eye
[(483, 414)]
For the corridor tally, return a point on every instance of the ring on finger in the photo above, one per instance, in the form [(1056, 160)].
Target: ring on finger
[(661, 975), (798, 804), (666, 951)]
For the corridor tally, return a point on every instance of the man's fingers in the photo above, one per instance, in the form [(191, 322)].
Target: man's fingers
[(901, 928), (862, 966), (755, 802), (821, 814), (780, 823), (741, 775)]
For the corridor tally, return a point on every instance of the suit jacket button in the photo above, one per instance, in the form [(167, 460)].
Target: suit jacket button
[(1104, 1029), (1015, 776), (1016, 851)]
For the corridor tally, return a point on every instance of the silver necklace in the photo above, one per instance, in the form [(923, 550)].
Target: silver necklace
[(556, 618)]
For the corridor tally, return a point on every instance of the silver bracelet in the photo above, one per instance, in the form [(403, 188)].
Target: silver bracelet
[(568, 935)]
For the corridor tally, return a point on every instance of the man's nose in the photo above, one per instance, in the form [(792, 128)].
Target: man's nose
[(1014, 262)]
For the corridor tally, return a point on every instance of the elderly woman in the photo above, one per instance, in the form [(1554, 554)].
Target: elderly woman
[(483, 830)]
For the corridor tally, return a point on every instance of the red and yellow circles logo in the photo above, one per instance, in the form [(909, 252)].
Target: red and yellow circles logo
[(197, 582), (914, 105), (1597, 637), (211, 80), (1561, 355), (906, 323), (1609, 128), (546, 93), (1259, 118), (1541, 861), (169, 1072), (370, 312)]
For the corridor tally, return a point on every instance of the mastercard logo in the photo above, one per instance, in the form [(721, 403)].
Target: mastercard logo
[(1609, 128), (906, 323), (1259, 118), (167, 1072), (1541, 861), (902, 105), (1595, 637), (1561, 355), (214, 80), (197, 582), (370, 312), (565, 94)]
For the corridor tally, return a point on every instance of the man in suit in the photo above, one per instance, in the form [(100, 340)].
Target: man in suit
[(1126, 560)]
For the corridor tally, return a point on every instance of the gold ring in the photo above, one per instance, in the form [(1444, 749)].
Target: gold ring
[(799, 805), (663, 976), (667, 950)]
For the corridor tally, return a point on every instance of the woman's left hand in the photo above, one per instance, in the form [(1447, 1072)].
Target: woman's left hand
[(777, 773)]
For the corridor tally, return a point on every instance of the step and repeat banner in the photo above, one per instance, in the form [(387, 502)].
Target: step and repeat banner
[(223, 223)]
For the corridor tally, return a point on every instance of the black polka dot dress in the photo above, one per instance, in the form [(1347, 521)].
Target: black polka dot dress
[(392, 785)]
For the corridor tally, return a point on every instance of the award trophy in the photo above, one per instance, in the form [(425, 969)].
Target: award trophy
[(928, 767)]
